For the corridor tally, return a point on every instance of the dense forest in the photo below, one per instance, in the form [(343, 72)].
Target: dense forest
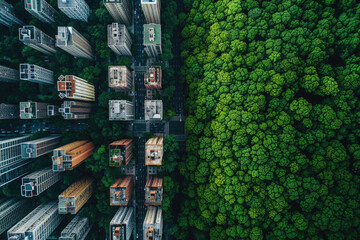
[(273, 100)]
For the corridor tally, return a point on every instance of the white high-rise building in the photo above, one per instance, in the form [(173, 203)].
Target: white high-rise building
[(120, 78), (77, 229), (151, 9), (120, 10), (152, 39), (37, 182), (38, 147), (153, 109), (35, 73), (119, 39), (12, 166), (153, 224), (122, 110), (38, 224), (122, 224), (73, 87), (37, 39), (7, 15), (75, 9), (41, 10), (8, 74), (71, 41)]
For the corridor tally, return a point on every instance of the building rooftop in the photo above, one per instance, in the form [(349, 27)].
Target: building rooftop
[(117, 76), (153, 191), (152, 34), (116, 34), (153, 109), (27, 110), (154, 151), (119, 109), (153, 77)]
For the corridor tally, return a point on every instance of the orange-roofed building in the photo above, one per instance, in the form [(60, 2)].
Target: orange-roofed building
[(121, 190), (121, 152), (152, 78), (153, 191), (73, 87), (71, 155)]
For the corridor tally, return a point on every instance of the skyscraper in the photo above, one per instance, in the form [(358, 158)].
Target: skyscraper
[(152, 39), (152, 78), (121, 191), (71, 155), (120, 10), (153, 110), (151, 9), (121, 152), (119, 39), (75, 196), (12, 166), (38, 224), (37, 74), (37, 182), (75, 110), (120, 78), (41, 10), (8, 74), (9, 111), (71, 41), (153, 224), (153, 191), (154, 151), (77, 229), (7, 15), (11, 211), (39, 147), (37, 39), (122, 224), (122, 110), (75, 9), (76, 88), (33, 110)]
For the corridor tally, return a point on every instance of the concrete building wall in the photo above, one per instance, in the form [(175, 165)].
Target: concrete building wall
[(41, 10), (75, 110), (119, 39), (8, 74), (37, 182), (151, 9), (37, 74), (77, 229), (12, 210), (39, 147), (75, 9), (39, 223), (120, 10), (12, 166), (37, 39), (7, 15), (121, 226), (71, 41)]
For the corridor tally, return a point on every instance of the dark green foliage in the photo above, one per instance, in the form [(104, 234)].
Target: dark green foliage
[(273, 103)]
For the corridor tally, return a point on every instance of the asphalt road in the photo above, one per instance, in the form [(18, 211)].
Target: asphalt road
[(140, 90)]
